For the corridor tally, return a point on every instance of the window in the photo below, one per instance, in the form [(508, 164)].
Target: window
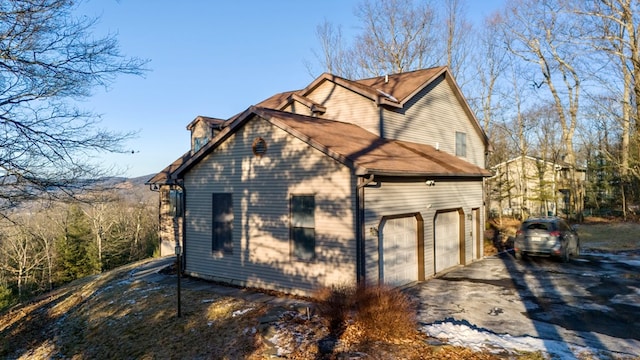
[(175, 203), (199, 142), (222, 222), (461, 144), (303, 233)]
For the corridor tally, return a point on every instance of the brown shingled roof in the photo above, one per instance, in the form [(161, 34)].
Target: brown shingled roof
[(402, 86), (275, 101), (368, 153), (347, 142), (208, 120), (164, 176)]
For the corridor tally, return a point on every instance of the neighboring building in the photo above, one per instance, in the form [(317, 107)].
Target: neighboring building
[(377, 180), (528, 186)]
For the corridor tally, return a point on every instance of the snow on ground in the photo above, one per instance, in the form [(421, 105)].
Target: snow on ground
[(484, 311), (461, 333)]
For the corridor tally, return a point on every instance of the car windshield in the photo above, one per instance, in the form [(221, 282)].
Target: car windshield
[(537, 226)]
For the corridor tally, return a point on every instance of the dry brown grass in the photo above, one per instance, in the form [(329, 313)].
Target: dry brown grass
[(112, 317), (500, 234), (596, 234), (609, 235)]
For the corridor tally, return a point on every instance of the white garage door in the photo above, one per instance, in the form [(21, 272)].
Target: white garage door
[(398, 251), (447, 238)]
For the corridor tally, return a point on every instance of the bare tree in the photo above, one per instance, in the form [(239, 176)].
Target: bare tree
[(459, 38), (334, 54), (49, 58), (489, 72), (540, 33), (22, 254), (614, 34), (396, 37)]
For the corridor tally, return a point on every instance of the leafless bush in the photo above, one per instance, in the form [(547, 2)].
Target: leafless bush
[(367, 313)]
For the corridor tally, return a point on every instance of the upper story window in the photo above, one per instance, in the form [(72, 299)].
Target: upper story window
[(199, 142), (461, 144)]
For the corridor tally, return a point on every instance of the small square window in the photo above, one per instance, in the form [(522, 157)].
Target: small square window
[(199, 142)]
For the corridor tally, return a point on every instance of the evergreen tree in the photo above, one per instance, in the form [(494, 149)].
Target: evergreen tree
[(78, 256)]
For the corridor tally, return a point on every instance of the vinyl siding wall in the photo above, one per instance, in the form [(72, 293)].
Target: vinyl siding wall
[(433, 116), (402, 197), (261, 188), (347, 106), (298, 108)]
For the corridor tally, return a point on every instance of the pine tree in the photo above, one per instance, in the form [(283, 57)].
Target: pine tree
[(77, 253)]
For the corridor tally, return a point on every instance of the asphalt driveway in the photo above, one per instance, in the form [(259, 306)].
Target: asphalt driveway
[(592, 302)]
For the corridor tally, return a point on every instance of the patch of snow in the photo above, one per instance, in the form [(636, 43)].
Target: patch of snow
[(461, 333), (592, 306), (632, 299), (241, 312), (206, 301), (151, 289), (631, 262), (124, 282)]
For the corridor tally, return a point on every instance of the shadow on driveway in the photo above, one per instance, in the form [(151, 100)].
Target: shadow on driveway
[(589, 304)]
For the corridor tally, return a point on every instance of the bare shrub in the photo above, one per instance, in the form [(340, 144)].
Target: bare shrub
[(367, 313), (335, 305), (384, 314)]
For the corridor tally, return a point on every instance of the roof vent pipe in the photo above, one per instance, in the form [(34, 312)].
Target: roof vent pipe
[(386, 78)]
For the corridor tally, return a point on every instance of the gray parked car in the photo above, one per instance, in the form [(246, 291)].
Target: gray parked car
[(547, 236)]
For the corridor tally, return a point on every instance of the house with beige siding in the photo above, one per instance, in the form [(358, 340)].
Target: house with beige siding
[(376, 180), (529, 186)]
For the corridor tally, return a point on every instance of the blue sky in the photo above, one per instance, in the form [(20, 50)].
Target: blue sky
[(211, 58)]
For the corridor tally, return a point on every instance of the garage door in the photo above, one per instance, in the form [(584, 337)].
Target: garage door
[(398, 251), (447, 239)]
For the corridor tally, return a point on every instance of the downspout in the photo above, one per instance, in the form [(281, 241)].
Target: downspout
[(360, 253)]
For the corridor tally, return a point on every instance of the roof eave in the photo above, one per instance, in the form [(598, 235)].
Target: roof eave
[(363, 172)]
